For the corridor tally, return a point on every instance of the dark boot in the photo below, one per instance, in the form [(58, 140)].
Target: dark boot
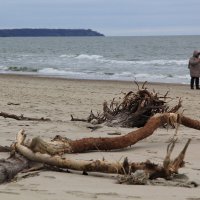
[(197, 83), (192, 83)]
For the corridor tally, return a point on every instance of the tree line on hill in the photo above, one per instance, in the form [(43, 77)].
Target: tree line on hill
[(30, 32)]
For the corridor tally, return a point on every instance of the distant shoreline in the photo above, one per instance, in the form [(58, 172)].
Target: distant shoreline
[(44, 32)]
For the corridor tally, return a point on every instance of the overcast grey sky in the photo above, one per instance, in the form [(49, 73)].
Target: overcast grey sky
[(111, 17)]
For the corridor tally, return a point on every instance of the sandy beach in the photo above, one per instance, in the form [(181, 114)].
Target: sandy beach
[(57, 99)]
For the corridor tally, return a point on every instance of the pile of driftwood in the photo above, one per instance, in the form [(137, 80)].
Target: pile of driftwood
[(132, 110), (35, 153), (144, 109)]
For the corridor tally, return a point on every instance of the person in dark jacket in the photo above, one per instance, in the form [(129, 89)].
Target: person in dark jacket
[(194, 66)]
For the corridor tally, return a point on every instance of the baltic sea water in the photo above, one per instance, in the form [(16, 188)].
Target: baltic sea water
[(145, 58)]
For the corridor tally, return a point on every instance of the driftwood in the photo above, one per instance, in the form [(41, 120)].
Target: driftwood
[(21, 117), (133, 110), (169, 167), (14, 104), (77, 119), (12, 166), (20, 162), (5, 149), (16, 163), (60, 145), (49, 153)]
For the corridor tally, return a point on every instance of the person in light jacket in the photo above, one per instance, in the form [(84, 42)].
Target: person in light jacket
[(194, 66)]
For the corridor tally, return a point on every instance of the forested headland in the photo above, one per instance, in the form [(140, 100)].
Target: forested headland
[(31, 32)]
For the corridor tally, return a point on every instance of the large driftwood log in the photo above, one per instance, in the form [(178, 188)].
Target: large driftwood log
[(60, 145), (168, 168)]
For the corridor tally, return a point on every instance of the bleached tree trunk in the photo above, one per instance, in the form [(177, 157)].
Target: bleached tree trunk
[(169, 166)]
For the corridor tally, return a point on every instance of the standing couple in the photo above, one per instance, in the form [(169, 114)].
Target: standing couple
[(194, 66)]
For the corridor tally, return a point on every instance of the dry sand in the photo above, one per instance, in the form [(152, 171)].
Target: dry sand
[(57, 99)]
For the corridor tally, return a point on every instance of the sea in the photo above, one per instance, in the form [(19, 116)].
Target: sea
[(136, 58)]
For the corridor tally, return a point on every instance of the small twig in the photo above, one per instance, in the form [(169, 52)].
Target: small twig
[(144, 85), (137, 84), (21, 117), (15, 104), (77, 119)]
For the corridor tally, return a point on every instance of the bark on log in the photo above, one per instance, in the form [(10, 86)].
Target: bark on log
[(60, 145), (120, 142), (188, 122)]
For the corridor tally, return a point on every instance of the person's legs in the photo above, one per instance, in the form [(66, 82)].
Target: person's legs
[(197, 83), (192, 82)]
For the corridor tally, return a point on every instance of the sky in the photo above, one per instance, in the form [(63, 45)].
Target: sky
[(110, 17)]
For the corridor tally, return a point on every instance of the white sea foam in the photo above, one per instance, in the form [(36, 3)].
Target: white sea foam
[(151, 62), (91, 57), (52, 71), (67, 56)]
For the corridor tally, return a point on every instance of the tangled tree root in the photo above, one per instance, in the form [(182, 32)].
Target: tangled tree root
[(132, 110)]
